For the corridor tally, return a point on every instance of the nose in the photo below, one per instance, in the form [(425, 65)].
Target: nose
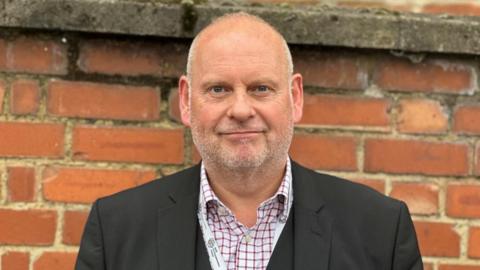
[(241, 108)]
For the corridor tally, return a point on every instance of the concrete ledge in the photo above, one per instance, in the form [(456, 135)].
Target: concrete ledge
[(374, 29)]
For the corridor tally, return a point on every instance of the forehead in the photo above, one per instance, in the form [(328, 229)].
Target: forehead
[(239, 43)]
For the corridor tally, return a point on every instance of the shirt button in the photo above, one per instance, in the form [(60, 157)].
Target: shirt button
[(247, 238), (222, 211)]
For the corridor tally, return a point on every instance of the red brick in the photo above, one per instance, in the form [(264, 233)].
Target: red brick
[(31, 139), (328, 153), (458, 267), (3, 54), (86, 185), (2, 94), (28, 54), (21, 184), (126, 58), (467, 119), (463, 200), (173, 107), (453, 9), (415, 157), (24, 97), (422, 116), (55, 260), (128, 144), (421, 198), (104, 101), (27, 227), (378, 185), (474, 243), (331, 70), (428, 76), (73, 224), (448, 245), (12, 260), (345, 111)]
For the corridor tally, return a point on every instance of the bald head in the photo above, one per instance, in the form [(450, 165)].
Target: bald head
[(235, 28)]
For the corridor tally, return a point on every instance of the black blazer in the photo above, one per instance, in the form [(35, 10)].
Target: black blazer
[(337, 225)]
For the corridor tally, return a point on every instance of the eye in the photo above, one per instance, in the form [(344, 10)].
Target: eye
[(261, 90), (217, 89)]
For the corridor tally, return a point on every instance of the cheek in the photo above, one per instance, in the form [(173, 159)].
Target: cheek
[(277, 117), (280, 110), (206, 115)]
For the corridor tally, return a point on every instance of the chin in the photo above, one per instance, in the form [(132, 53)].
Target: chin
[(237, 160), (242, 163)]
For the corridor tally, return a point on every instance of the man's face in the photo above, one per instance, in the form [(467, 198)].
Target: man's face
[(241, 110)]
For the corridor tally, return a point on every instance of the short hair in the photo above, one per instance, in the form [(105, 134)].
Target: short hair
[(240, 15)]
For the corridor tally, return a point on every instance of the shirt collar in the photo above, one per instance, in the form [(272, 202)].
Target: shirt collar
[(284, 192)]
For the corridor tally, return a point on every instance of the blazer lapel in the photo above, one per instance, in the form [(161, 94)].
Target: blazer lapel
[(282, 256), (312, 223), (177, 224)]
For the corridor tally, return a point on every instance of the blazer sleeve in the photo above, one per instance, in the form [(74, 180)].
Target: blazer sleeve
[(91, 253), (406, 253)]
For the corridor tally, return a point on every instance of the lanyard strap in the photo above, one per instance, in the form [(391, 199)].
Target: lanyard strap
[(215, 256)]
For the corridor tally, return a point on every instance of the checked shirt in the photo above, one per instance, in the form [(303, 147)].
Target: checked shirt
[(245, 248)]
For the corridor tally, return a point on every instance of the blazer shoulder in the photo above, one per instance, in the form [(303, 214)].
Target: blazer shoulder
[(339, 192), (152, 193)]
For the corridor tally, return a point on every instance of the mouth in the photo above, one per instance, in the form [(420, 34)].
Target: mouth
[(241, 134)]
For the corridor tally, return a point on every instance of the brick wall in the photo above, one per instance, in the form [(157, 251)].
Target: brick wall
[(83, 116)]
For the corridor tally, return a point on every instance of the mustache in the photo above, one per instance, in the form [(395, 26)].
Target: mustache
[(240, 129)]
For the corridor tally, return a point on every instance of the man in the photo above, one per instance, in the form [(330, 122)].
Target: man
[(247, 205)]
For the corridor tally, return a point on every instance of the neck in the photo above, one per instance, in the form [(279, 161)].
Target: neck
[(243, 190)]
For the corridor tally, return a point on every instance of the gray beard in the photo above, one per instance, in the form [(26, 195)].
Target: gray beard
[(212, 153)]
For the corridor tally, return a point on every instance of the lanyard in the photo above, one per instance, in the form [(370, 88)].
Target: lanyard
[(215, 256)]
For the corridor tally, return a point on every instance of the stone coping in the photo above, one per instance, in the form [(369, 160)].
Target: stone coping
[(375, 29)]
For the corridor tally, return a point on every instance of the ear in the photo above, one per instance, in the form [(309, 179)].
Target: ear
[(183, 100), (297, 96)]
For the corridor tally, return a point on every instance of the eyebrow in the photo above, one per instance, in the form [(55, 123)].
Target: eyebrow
[(262, 81), (256, 81), (213, 82)]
